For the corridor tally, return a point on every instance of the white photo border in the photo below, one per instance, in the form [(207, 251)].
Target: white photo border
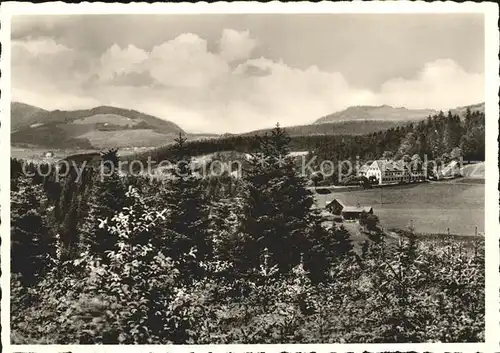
[(492, 228)]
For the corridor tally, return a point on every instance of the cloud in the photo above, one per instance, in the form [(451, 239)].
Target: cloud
[(133, 79), (293, 96), (185, 62), (441, 84), (252, 69), (236, 45), (41, 46), (44, 63), (52, 99), (30, 27), (221, 90), (181, 62), (116, 61)]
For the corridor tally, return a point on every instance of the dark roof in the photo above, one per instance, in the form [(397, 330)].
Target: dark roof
[(364, 167), (354, 209), (339, 202), (389, 166)]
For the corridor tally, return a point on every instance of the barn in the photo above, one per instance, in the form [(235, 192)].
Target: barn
[(352, 212), (335, 206)]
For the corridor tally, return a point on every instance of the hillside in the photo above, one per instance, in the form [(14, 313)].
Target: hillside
[(24, 114), (100, 127), (359, 120), (105, 127), (461, 111), (383, 112), (355, 127)]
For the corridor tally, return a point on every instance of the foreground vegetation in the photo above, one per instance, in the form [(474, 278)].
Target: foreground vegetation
[(128, 259)]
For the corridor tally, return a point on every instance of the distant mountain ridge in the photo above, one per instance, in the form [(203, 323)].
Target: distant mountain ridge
[(383, 112), (359, 120), (461, 111), (24, 114), (343, 127), (109, 127), (99, 127)]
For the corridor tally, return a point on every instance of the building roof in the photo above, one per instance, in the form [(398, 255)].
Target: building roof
[(339, 202), (389, 166), (364, 167), (355, 209)]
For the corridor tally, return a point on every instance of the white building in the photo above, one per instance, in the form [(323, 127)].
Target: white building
[(389, 172)]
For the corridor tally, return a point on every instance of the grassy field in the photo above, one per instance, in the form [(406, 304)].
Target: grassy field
[(107, 118), (126, 138), (432, 207), (38, 154)]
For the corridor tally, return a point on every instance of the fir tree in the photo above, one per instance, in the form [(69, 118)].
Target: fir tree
[(107, 197), (327, 247), (189, 213), (16, 168), (279, 214), (66, 213), (230, 241), (31, 243)]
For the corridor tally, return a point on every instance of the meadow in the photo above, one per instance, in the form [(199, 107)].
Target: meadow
[(431, 207), (38, 153)]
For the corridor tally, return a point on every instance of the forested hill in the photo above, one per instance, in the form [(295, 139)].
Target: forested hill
[(436, 136), (24, 115), (383, 112), (360, 120), (354, 127), (462, 111), (100, 127)]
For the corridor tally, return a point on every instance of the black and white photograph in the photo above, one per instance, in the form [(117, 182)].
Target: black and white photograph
[(189, 178)]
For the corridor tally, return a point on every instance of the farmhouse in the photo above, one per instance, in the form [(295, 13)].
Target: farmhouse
[(389, 172), (364, 168), (337, 207), (351, 212)]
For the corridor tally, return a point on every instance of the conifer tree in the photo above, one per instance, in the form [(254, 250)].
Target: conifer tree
[(16, 168), (230, 241), (65, 213), (107, 197), (31, 243), (327, 247), (189, 213), (279, 214)]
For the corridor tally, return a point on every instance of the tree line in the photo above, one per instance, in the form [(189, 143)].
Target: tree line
[(436, 137)]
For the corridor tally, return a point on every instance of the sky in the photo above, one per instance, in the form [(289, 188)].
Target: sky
[(235, 73)]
